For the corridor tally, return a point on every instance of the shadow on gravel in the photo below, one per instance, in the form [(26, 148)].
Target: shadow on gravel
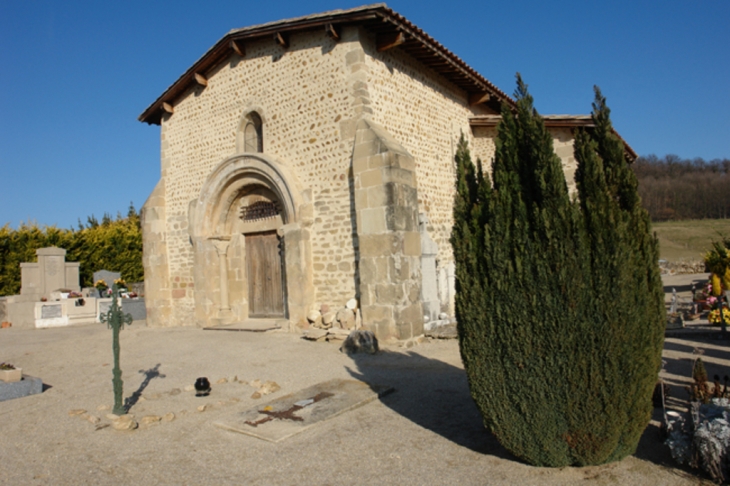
[(432, 394), (435, 395), (149, 375)]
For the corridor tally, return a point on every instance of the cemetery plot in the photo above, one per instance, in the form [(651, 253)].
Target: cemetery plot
[(289, 415)]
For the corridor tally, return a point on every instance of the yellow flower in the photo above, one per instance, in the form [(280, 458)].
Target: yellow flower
[(714, 316)]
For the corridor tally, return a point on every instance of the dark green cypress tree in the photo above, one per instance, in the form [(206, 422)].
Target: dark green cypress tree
[(559, 302)]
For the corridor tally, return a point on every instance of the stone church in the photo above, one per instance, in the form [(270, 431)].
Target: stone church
[(309, 162)]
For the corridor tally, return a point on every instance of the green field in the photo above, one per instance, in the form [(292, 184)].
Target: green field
[(688, 240)]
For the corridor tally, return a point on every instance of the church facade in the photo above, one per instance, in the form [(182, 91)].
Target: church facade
[(309, 162)]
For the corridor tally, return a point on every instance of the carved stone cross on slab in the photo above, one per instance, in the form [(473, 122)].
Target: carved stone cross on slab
[(288, 415)]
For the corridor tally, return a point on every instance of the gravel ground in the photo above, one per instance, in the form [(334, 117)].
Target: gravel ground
[(427, 432)]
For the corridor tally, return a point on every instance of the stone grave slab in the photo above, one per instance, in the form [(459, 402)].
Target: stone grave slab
[(286, 416), (28, 385)]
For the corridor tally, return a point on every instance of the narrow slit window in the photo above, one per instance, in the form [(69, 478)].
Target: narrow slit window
[(252, 134)]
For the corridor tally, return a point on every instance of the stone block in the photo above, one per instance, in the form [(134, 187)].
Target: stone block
[(377, 312), (389, 293), (399, 268), (367, 294), (400, 218), (362, 198), (398, 175), (411, 314), (346, 318), (380, 245), (372, 221), (369, 178), (368, 271), (412, 244), (29, 385), (382, 267), (379, 160), (366, 148), (403, 161), (377, 196)]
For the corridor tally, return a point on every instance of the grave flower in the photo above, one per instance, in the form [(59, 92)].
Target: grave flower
[(714, 316), (101, 286)]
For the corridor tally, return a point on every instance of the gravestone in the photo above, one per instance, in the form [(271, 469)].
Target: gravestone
[(107, 276), (51, 311), (49, 273), (429, 282)]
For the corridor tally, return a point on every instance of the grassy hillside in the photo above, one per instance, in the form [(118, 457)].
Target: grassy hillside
[(687, 240)]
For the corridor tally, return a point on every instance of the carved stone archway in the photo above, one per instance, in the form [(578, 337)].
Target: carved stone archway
[(218, 227)]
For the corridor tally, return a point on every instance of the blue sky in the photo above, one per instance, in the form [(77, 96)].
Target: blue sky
[(77, 74)]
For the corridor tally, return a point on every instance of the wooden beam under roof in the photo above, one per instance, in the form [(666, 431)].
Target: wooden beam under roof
[(200, 79), (282, 39), (332, 31), (168, 107), (389, 41), (238, 47), (477, 98)]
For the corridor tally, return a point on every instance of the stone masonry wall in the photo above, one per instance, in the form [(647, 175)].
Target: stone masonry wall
[(483, 146), (305, 101), (426, 114)]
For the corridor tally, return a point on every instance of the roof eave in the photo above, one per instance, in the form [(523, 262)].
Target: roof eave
[(459, 69), (557, 121)]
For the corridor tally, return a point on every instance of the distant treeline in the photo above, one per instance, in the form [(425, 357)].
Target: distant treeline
[(674, 189), (112, 244)]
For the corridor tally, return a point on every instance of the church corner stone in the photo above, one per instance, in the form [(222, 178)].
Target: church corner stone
[(387, 232)]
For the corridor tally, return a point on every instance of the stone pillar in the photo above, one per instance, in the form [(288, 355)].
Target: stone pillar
[(237, 278), (221, 247), (298, 271), (389, 244)]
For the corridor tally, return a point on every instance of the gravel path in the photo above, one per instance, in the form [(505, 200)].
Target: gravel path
[(427, 432)]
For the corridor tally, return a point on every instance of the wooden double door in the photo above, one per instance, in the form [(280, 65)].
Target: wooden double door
[(266, 297)]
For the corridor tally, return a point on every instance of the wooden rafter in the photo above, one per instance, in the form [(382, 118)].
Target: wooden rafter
[(238, 47), (168, 107), (282, 40), (200, 79), (332, 31), (477, 98), (389, 41)]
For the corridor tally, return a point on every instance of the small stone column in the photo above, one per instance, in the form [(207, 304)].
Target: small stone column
[(221, 246), (429, 278)]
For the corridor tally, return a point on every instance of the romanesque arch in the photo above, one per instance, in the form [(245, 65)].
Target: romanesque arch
[(251, 216)]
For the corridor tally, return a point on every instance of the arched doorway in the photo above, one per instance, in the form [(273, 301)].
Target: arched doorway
[(251, 243), (260, 220)]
